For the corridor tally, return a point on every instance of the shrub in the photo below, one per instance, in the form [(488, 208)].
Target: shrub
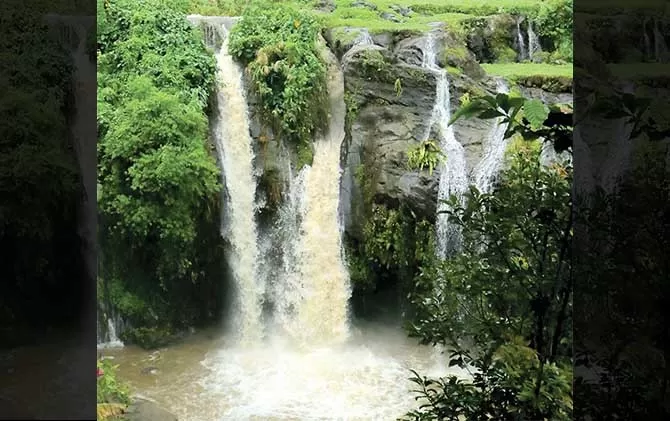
[(278, 46)]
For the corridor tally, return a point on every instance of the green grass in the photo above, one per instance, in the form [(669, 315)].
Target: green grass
[(516, 70), (424, 11)]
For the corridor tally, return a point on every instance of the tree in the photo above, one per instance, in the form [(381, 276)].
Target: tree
[(504, 303)]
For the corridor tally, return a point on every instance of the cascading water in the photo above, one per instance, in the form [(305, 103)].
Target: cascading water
[(619, 151), (318, 366), (230, 130), (494, 150), (521, 42), (362, 42), (533, 42), (453, 176), (286, 291), (321, 314)]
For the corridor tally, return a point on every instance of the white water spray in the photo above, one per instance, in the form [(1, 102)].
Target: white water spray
[(523, 53), (533, 42), (322, 314), (453, 176), (494, 147), (230, 130)]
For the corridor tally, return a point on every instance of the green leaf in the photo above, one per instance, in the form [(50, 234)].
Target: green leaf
[(536, 113), (469, 110)]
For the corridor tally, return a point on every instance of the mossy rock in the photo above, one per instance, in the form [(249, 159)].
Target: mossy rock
[(455, 53), (490, 38), (148, 337), (554, 84), (376, 65)]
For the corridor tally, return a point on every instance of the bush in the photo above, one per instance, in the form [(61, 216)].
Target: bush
[(278, 46), (508, 384), (109, 388), (158, 183)]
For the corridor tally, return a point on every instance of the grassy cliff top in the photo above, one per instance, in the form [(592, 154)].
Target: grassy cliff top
[(367, 13)]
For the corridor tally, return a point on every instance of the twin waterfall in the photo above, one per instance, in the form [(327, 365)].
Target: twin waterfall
[(310, 295), (308, 291)]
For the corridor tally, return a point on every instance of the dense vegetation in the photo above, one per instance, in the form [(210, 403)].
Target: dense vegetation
[(112, 394), (503, 304), (155, 81), (158, 193), (278, 46), (40, 181)]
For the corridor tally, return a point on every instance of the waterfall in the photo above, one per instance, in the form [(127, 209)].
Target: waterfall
[(521, 43), (363, 41), (533, 42), (322, 312), (72, 32), (494, 147), (660, 47), (287, 291), (108, 326), (453, 177), (230, 130)]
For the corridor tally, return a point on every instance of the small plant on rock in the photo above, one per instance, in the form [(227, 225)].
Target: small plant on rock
[(426, 154)]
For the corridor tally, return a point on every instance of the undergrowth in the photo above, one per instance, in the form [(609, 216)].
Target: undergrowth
[(278, 47)]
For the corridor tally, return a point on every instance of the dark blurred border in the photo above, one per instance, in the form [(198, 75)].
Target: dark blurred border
[(47, 209), (621, 254)]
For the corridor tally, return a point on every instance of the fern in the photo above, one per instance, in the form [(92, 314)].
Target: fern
[(425, 155)]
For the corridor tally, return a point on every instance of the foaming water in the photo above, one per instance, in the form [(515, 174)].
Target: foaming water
[(234, 147), (364, 378), (322, 312), (494, 150)]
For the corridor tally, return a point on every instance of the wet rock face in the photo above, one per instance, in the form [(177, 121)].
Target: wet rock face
[(390, 99)]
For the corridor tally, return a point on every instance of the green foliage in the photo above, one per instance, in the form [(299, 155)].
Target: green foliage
[(504, 303), (394, 245), (425, 154), (503, 388), (527, 118), (352, 108), (278, 45), (148, 337), (158, 183), (109, 388), (39, 175), (553, 20), (510, 279), (374, 65)]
